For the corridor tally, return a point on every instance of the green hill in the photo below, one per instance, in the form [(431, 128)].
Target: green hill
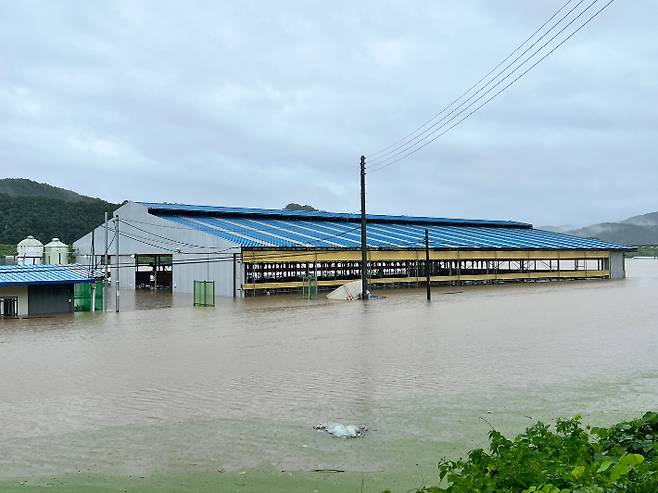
[(22, 187), (44, 211), (636, 230), (298, 207)]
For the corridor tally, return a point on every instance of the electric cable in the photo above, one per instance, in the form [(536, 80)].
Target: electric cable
[(388, 163), (461, 108), (378, 155)]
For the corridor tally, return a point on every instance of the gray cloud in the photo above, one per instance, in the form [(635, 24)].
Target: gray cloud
[(260, 103)]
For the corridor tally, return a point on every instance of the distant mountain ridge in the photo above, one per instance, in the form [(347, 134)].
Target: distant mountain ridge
[(649, 219), (22, 187), (298, 207), (45, 211), (636, 230)]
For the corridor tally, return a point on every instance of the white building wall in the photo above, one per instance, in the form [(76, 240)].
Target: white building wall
[(617, 265), (19, 292), (164, 238), (208, 267)]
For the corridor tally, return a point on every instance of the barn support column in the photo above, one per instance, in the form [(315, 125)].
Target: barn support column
[(617, 265)]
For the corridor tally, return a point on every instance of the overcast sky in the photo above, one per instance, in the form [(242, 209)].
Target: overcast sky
[(264, 103)]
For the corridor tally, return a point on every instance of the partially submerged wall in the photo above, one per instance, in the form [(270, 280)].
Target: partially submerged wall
[(617, 265), (196, 255), (19, 292)]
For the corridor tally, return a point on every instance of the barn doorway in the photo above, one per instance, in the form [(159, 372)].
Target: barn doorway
[(153, 272)]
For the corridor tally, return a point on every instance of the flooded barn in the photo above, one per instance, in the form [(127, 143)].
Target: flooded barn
[(250, 251)]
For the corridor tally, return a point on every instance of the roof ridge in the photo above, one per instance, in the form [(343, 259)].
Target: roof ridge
[(325, 215)]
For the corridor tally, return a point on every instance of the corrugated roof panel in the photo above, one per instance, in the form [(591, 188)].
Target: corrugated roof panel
[(308, 233), (26, 275), (322, 236), (253, 228), (197, 223)]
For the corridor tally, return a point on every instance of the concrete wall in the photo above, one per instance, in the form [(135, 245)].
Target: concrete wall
[(165, 238), (18, 291), (617, 265)]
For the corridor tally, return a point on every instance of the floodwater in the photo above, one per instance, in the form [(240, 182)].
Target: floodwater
[(241, 385)]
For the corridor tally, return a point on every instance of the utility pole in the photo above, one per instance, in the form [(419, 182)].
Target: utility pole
[(364, 246), (93, 250), (427, 265), (116, 263), (235, 258), (92, 273), (107, 247)]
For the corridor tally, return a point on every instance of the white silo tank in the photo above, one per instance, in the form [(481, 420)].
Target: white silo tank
[(56, 252), (29, 251)]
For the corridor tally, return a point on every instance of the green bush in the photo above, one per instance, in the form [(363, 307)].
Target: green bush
[(7, 250), (570, 458)]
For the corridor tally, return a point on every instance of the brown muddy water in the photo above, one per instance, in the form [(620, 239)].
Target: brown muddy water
[(241, 385)]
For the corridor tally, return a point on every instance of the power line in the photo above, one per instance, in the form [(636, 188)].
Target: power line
[(158, 243), (423, 135), (403, 140), (143, 240), (170, 240), (418, 140), (153, 243), (410, 151), (170, 226), (191, 261), (192, 228)]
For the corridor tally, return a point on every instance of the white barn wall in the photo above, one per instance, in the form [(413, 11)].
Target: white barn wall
[(220, 272), (183, 275)]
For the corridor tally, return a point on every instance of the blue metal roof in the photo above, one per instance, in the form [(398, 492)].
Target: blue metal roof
[(208, 210), (258, 231), (28, 275)]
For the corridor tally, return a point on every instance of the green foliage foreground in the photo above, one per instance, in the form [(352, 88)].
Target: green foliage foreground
[(571, 459)]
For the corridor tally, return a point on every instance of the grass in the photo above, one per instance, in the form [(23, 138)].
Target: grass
[(250, 480)]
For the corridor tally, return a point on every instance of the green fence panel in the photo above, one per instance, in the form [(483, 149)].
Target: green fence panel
[(99, 296), (82, 297), (204, 293), (309, 287)]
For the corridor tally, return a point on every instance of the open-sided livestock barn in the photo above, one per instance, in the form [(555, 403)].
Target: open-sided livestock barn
[(247, 251)]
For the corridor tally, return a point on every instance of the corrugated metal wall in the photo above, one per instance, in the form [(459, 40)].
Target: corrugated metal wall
[(50, 298), (171, 237), (218, 269)]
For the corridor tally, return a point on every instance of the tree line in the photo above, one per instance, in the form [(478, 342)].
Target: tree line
[(46, 218)]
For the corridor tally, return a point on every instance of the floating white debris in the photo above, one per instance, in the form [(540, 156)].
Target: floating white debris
[(340, 430), (349, 291)]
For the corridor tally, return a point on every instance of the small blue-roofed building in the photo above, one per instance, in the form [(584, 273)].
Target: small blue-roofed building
[(31, 290), (248, 251)]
